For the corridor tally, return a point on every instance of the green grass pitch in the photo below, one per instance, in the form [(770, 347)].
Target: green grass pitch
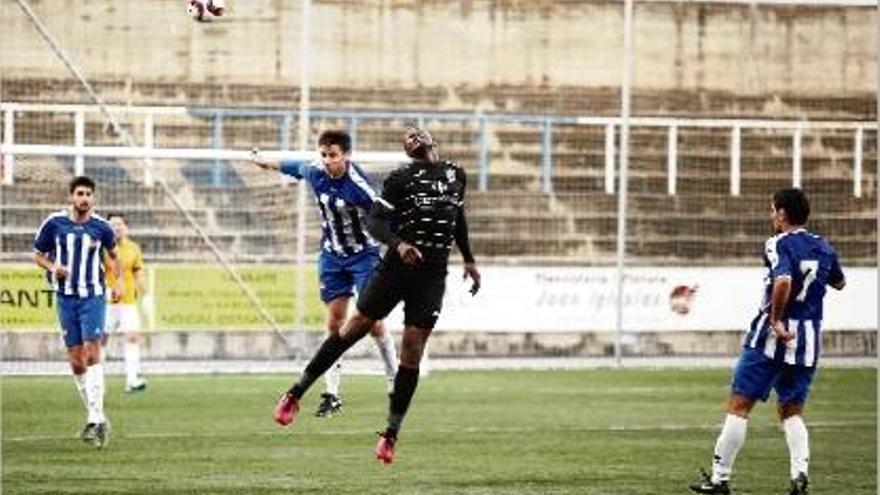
[(612, 432)]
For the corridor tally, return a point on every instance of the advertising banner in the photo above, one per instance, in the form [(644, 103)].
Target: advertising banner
[(535, 299)]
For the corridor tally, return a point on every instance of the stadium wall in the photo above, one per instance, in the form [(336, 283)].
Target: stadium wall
[(742, 49), (254, 345)]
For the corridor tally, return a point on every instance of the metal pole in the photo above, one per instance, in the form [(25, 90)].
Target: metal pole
[(672, 161), (8, 140), (79, 141), (796, 159), (877, 199), (303, 144), (353, 130), (284, 133), (149, 134), (609, 159), (547, 157), (857, 162), (484, 154), (624, 166), (735, 145), (217, 143)]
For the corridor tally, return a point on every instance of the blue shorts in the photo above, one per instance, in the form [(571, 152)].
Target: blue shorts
[(756, 375), (81, 318), (340, 276)]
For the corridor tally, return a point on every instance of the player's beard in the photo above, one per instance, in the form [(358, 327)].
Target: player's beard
[(83, 208)]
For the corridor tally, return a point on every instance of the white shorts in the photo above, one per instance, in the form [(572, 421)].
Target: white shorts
[(122, 318)]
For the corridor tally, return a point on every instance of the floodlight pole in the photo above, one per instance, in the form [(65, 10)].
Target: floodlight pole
[(624, 167), (877, 196), (303, 144)]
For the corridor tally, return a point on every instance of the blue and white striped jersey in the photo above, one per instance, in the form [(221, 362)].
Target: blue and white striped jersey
[(344, 204), (78, 248), (811, 264)]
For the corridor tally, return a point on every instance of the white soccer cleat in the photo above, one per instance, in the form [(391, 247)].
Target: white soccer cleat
[(138, 386)]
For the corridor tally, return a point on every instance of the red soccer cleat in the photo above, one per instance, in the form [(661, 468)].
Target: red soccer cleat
[(385, 449), (286, 409)]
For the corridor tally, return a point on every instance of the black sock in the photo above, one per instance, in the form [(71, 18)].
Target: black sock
[(328, 354), (405, 383)]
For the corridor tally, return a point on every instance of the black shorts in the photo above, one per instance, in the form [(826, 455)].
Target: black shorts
[(420, 290)]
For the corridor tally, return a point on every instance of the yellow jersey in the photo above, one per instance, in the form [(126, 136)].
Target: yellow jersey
[(128, 255)]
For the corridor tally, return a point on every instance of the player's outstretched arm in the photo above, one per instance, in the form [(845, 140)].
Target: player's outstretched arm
[(263, 162)]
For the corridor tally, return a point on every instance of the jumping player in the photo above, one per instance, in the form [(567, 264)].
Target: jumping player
[(349, 254), (425, 202)]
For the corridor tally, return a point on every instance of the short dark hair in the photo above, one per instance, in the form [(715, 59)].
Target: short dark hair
[(81, 180), (116, 214), (417, 142), (795, 203), (339, 138)]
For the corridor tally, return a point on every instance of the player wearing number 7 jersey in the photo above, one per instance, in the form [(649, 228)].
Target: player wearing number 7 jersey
[(781, 347)]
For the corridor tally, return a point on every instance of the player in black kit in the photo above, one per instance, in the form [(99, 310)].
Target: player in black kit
[(424, 201)]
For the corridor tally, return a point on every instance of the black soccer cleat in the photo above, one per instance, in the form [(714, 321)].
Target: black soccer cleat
[(800, 485), (102, 435), (705, 485), (330, 404), (88, 433)]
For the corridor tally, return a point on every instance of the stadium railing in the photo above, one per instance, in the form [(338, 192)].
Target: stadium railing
[(791, 130)]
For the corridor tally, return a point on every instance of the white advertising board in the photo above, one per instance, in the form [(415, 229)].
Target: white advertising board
[(546, 299)]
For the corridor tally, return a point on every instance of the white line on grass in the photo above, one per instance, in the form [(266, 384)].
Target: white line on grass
[(370, 366), (814, 425)]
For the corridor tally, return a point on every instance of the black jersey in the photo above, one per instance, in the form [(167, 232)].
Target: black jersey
[(426, 201)]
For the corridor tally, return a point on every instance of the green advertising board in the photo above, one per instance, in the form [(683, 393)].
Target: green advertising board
[(187, 297)]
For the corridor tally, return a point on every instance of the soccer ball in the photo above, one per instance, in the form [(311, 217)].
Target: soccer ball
[(204, 10)]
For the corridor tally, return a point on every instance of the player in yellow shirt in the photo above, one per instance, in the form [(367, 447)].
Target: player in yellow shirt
[(122, 313)]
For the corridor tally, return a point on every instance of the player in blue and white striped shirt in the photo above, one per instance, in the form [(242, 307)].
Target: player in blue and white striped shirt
[(343, 194), (70, 245), (781, 348)]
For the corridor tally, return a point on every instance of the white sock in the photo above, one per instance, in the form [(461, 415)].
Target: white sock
[(80, 382), (132, 363), (798, 444), (385, 344), (425, 363), (95, 392), (731, 439), (332, 378)]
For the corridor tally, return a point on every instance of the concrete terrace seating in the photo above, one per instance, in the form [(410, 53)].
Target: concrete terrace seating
[(573, 227), (164, 233), (249, 214), (712, 228), (499, 98)]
